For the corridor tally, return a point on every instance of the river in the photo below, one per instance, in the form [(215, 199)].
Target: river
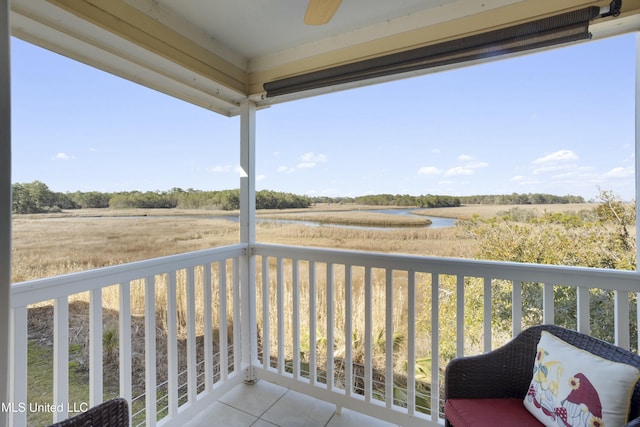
[(436, 222)]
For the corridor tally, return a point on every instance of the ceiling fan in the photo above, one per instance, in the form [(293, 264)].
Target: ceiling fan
[(320, 12)]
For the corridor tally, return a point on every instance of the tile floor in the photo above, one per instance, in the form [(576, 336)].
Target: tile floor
[(268, 405)]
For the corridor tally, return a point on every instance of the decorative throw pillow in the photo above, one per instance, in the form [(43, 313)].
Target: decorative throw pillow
[(572, 387)]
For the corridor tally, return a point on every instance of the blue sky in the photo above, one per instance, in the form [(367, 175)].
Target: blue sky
[(559, 122)]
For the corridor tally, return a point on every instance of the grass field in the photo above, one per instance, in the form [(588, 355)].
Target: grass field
[(52, 244)]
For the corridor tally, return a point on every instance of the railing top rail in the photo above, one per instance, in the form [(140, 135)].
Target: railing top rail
[(524, 272), (33, 291)]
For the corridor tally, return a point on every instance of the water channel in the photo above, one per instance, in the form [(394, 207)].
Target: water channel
[(436, 222)]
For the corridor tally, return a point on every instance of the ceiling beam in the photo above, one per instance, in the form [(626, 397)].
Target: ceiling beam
[(133, 25)]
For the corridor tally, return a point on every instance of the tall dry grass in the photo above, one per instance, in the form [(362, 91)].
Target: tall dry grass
[(356, 316), (52, 246)]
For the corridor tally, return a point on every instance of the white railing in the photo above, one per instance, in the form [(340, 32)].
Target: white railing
[(188, 293), (370, 332)]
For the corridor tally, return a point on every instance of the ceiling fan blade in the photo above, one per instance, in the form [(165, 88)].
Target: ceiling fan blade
[(319, 12)]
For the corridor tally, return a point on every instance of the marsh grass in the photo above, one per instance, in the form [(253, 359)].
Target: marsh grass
[(363, 219)]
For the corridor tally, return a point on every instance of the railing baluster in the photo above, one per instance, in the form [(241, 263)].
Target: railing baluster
[(60, 356), (223, 329), (621, 319), (330, 326), (248, 305), (516, 307), (18, 373), (150, 349), (388, 380), (280, 312), (192, 377), (583, 301), (348, 330), (435, 346), (124, 334), (411, 343), (95, 347), (172, 345), (548, 304), (487, 313), (208, 327), (237, 337), (266, 326), (313, 364), (368, 331), (459, 315), (295, 317)]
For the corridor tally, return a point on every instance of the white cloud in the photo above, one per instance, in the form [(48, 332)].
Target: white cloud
[(517, 178), (261, 177), (305, 161), (429, 170), (458, 170), (468, 168), (552, 168), (311, 157), (63, 156), (561, 160), (476, 165), (311, 160), (306, 165), (222, 168), (285, 169), (620, 172), (555, 157)]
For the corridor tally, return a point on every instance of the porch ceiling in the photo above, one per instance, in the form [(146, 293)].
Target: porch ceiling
[(215, 53)]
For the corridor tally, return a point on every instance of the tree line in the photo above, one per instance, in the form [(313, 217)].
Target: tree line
[(36, 197), (520, 199)]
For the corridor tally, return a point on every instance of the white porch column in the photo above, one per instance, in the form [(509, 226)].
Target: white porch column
[(248, 236), (637, 149), (5, 206), (637, 172)]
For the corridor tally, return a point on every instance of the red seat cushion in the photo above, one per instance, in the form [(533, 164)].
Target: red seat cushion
[(489, 413)]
